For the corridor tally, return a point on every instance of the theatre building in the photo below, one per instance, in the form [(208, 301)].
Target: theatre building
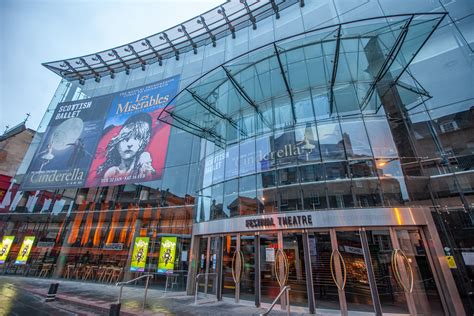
[(326, 145)]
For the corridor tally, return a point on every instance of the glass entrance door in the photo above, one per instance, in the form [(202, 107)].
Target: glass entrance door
[(376, 271), (238, 267), (229, 256), (296, 279), (248, 278), (356, 280), (413, 264), (269, 284)]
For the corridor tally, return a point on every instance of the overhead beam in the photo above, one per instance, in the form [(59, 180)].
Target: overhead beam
[(334, 70), (245, 96), (165, 37), (146, 42), (127, 66), (249, 13), (209, 107), (285, 80), (202, 21), (227, 21), (182, 29), (387, 63)]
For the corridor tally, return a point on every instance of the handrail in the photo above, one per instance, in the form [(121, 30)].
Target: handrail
[(175, 273), (197, 284), (122, 284), (286, 289)]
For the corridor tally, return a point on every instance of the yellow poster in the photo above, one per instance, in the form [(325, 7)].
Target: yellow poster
[(451, 262), (139, 254), (5, 249), (25, 250), (167, 254)]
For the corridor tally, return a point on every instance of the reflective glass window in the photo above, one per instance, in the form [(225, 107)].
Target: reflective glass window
[(336, 170), (231, 201), (290, 198), (247, 157), (263, 157), (362, 168), (232, 161), (288, 176), (248, 195), (355, 138), (331, 141), (381, 138), (314, 196), (217, 199), (340, 194), (307, 143), (314, 172)]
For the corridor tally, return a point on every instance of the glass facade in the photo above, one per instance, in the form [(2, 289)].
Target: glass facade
[(326, 106)]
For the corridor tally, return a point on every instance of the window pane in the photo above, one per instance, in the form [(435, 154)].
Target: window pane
[(381, 138), (330, 140)]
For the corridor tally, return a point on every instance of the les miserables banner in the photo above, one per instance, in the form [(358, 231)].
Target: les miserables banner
[(134, 143), (108, 140)]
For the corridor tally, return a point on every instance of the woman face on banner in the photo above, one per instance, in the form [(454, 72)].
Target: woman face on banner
[(129, 146)]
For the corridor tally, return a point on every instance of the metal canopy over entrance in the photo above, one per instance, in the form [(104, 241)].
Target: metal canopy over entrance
[(340, 70)]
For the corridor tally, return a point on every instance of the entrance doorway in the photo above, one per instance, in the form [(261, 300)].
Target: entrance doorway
[(375, 270)]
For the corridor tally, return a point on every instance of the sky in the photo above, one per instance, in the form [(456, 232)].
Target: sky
[(36, 31)]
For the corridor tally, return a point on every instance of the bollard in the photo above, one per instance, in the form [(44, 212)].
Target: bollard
[(115, 309), (53, 289)]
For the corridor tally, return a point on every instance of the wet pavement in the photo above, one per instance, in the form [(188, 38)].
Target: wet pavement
[(25, 296)]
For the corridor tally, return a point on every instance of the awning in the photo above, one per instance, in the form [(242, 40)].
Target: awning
[(341, 70)]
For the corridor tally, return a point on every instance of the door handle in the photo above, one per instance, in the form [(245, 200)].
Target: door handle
[(395, 254), (237, 266), (344, 269), (282, 280)]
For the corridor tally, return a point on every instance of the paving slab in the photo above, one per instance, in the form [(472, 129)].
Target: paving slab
[(91, 298)]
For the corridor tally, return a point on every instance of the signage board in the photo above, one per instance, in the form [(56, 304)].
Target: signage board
[(45, 244), (25, 250), (468, 258), (113, 246), (7, 242), (167, 254), (451, 262), (270, 254), (139, 254)]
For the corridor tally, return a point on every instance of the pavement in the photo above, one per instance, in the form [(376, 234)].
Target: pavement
[(26, 296)]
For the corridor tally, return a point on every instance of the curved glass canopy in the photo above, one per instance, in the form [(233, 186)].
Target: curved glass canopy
[(335, 71)]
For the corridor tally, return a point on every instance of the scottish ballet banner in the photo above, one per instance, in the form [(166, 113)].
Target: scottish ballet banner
[(108, 140), (65, 153)]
